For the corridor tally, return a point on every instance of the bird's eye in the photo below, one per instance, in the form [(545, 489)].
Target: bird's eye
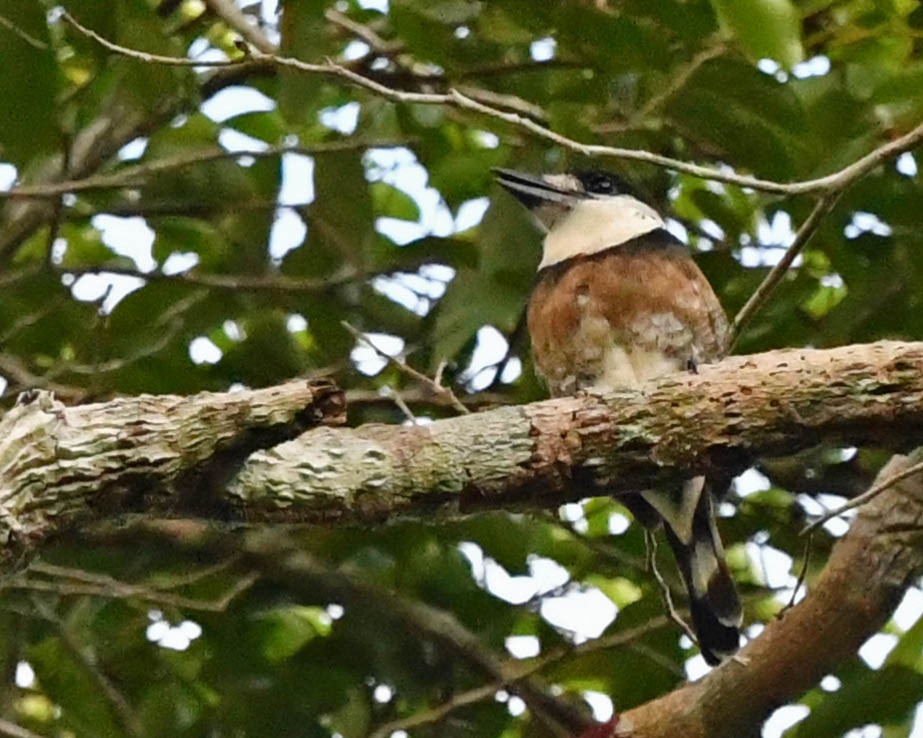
[(602, 185)]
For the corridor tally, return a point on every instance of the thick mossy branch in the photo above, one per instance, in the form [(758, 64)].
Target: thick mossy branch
[(548, 452), (240, 454), (61, 465)]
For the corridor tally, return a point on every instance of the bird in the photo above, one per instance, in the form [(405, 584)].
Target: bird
[(618, 300)]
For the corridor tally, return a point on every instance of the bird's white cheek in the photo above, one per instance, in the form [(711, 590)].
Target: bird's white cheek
[(597, 225)]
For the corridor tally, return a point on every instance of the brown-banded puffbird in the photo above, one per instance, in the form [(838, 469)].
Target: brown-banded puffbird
[(619, 301)]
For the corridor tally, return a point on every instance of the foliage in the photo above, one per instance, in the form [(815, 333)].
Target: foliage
[(210, 271)]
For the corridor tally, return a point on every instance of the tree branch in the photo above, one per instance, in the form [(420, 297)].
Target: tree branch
[(828, 184), (137, 175), (161, 454), (61, 465), (771, 281), (855, 595), (550, 452)]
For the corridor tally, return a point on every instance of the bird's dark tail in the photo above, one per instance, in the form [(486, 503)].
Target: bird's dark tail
[(689, 521)]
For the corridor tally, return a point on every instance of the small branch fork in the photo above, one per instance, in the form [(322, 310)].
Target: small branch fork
[(864, 498), (439, 390)]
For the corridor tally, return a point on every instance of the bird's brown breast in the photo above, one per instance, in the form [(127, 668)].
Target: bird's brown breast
[(623, 316)]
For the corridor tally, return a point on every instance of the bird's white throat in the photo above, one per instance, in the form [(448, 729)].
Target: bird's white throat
[(594, 225)]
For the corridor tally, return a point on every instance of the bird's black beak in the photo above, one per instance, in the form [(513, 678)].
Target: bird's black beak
[(533, 191)]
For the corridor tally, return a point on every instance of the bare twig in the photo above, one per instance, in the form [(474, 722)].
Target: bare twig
[(802, 574), (516, 670), (827, 184), (30, 319), (18, 275), (440, 390), (22, 378), (650, 541), (121, 708), (398, 400), (12, 730), (664, 93), (138, 175), (363, 33), (164, 582), (100, 585), (865, 497), (236, 282), (143, 55), (762, 293), (235, 19), (28, 38), (422, 397)]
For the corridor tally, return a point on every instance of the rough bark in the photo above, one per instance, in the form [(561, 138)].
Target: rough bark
[(60, 466), (546, 453), (172, 455)]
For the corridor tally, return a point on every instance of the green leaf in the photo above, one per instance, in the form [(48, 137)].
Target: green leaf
[(265, 125), (83, 707), (286, 630), (887, 695), (341, 223), (620, 590), (390, 202), (303, 37), (745, 116), (28, 79), (765, 28)]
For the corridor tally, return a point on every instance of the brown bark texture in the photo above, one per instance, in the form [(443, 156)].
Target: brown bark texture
[(61, 466), (245, 455)]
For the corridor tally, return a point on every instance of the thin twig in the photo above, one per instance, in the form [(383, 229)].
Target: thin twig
[(865, 497), (121, 707), (422, 397), (440, 390), (237, 282), (667, 91), (829, 183), (28, 38), (172, 61), (114, 589), (138, 175), (235, 19), (12, 730), (396, 398), (650, 541), (762, 293), (363, 33), (516, 670), (802, 574), (164, 582)]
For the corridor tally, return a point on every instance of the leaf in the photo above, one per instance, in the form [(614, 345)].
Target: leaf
[(743, 115), (341, 223), (265, 125), (147, 85), (83, 707), (303, 37), (454, 252), (284, 631), (391, 202), (28, 79), (765, 28), (887, 695)]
